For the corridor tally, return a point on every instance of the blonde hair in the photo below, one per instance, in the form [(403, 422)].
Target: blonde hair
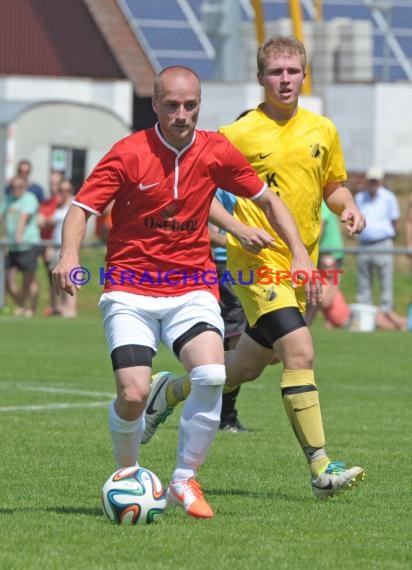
[(277, 45)]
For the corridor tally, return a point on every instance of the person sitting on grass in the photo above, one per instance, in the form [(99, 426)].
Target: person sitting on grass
[(333, 304)]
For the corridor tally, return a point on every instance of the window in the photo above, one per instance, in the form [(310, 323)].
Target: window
[(70, 161)]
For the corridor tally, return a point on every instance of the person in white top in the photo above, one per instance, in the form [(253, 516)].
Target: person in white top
[(381, 209)]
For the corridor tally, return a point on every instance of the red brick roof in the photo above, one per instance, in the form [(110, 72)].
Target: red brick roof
[(124, 44), (75, 38)]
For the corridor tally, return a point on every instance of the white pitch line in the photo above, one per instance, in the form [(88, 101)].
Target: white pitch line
[(376, 389), (55, 390), (63, 406)]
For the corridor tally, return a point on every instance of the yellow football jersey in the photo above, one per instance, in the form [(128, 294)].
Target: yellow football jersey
[(296, 158)]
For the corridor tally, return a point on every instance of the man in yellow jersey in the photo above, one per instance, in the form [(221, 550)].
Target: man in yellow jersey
[(298, 154)]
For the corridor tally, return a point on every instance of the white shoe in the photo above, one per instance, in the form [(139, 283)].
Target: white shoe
[(336, 478), (157, 409)]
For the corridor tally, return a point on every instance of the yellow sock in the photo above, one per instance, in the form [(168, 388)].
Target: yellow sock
[(301, 402), (177, 391), (186, 387), (227, 389), (319, 465)]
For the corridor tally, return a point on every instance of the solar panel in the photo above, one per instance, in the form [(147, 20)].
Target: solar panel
[(155, 9), (171, 31)]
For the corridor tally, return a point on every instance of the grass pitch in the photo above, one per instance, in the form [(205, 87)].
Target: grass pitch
[(55, 383)]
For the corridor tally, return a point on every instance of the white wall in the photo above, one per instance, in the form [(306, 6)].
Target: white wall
[(353, 110), (41, 127), (375, 124), (393, 134), (116, 96)]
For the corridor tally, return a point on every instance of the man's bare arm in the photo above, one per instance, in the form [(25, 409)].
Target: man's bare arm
[(340, 201), (252, 239), (73, 232)]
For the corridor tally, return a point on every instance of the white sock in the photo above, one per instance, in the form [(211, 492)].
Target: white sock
[(198, 425), (126, 437)]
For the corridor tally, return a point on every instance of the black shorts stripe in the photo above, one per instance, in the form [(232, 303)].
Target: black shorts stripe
[(298, 389), (195, 330), (130, 355), (274, 325)]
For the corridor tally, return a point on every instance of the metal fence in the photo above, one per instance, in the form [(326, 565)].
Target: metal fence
[(4, 244)]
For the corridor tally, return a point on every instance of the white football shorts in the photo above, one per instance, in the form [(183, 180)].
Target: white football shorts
[(139, 319)]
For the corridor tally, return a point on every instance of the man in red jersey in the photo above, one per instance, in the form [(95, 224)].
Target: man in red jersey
[(157, 285)]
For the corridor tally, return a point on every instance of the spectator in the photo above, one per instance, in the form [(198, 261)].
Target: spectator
[(381, 209), (333, 304), (18, 213), (24, 169), (46, 213), (330, 240)]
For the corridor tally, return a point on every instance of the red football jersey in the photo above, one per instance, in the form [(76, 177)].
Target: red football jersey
[(47, 209), (159, 244)]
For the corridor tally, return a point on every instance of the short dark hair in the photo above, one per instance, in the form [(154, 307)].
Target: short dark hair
[(22, 162)]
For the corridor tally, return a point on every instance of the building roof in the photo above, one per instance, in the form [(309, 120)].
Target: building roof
[(128, 51), (80, 38), (10, 110)]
